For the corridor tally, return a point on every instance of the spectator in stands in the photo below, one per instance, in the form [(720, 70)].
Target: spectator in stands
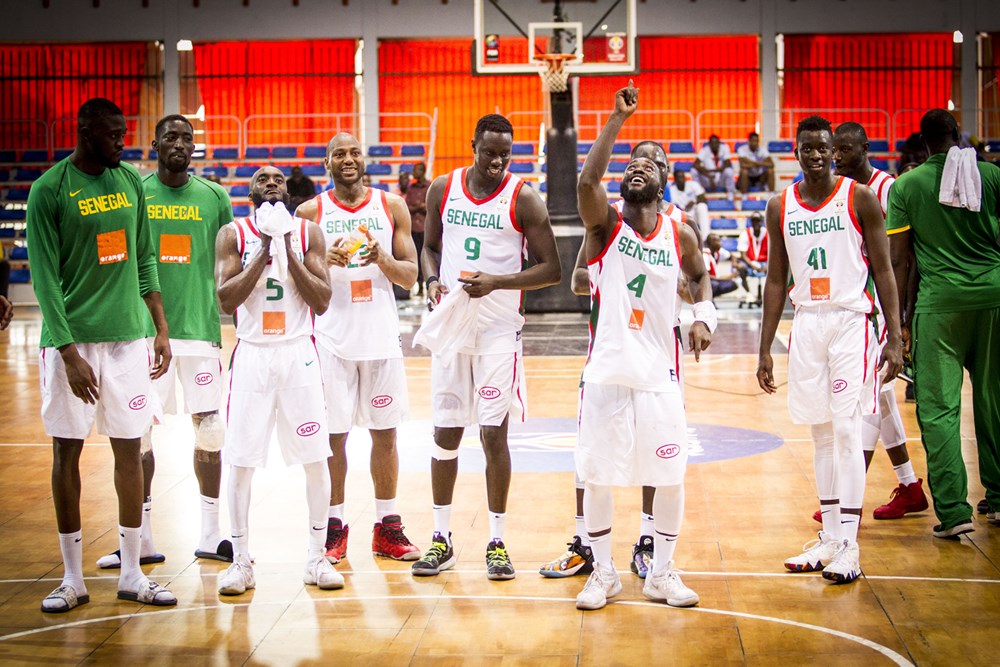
[(752, 254), (913, 151), (300, 188), (404, 182), (712, 168), (715, 254), (6, 310), (689, 196), (415, 194), (756, 165)]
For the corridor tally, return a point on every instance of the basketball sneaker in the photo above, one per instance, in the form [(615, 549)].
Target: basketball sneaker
[(320, 573), (904, 499), (578, 559), (388, 540), (845, 566), (815, 554), (336, 540), (642, 556), (440, 556), (983, 507), (238, 578), (603, 583), (960, 528), (498, 565), (666, 586)]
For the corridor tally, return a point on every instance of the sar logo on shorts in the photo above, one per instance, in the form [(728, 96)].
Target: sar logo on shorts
[(668, 451), (839, 386), (307, 429), (489, 393), (201, 379), (381, 401), (138, 403)]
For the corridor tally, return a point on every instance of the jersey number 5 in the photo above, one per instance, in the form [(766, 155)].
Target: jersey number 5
[(275, 286)]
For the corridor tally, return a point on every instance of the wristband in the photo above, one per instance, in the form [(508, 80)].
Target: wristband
[(431, 279), (704, 311)]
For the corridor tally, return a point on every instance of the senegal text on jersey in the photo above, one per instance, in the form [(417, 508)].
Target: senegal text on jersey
[(473, 219), (347, 226), (814, 226), (173, 212), (654, 256), (103, 204)]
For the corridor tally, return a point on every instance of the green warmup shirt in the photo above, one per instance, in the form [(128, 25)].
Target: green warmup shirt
[(184, 222), (91, 255), (958, 251)]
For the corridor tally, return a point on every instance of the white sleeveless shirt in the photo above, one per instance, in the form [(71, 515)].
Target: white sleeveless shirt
[(361, 322), (482, 235), (274, 312), (677, 216), (880, 183), (825, 247), (634, 305)]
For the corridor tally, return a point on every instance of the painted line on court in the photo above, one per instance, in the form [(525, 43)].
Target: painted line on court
[(879, 648)]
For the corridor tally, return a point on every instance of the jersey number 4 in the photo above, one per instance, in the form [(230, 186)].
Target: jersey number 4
[(637, 284), (817, 258)]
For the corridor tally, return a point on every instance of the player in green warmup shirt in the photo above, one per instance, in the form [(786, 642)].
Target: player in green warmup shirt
[(956, 320), (185, 214), (92, 266)]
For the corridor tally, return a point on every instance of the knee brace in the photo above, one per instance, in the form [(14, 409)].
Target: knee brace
[(441, 454), (209, 434)]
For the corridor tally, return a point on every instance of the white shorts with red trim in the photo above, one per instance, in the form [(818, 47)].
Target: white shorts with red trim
[(482, 389), (279, 384), (367, 393), (197, 364), (831, 364), (630, 437), (124, 409)]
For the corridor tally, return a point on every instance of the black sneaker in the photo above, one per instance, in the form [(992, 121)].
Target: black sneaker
[(578, 559), (984, 507), (440, 556), (960, 528), (498, 565), (642, 556)]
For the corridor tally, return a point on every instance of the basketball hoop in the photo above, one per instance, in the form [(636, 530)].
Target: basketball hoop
[(552, 69)]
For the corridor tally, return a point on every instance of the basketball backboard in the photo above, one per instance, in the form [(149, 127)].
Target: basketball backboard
[(509, 33)]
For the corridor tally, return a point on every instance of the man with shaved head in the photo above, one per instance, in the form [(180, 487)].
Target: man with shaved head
[(359, 344)]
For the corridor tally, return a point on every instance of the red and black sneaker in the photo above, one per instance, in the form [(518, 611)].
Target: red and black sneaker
[(905, 498), (388, 540), (336, 540)]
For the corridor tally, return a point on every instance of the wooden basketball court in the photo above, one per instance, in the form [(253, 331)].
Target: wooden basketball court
[(921, 600)]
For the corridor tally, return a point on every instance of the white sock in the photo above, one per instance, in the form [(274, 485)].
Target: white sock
[(384, 508), (211, 535), (598, 511), (581, 531), (849, 524), (317, 497), (601, 547), (336, 512), (442, 521), (129, 543), (240, 479), (497, 521), (668, 508), (146, 547), (905, 474), (646, 524), (71, 546)]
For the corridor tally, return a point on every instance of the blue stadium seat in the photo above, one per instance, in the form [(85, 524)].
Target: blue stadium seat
[(617, 166), (133, 154), (725, 223), (8, 156), (285, 152), (62, 154), (522, 148), (780, 146), (900, 145), (17, 194), (27, 174), (241, 210), (12, 214), (18, 252), (246, 170), (313, 170), (239, 191), (583, 147), (20, 276), (412, 150), (542, 187), (621, 148), (221, 172), (680, 147), (730, 243), (35, 156), (721, 205), (381, 186), (405, 168), (380, 150), (7, 232), (4, 174), (754, 204), (739, 145), (521, 167), (614, 186), (257, 153), (683, 166), (880, 164), (314, 151), (379, 169), (318, 187), (153, 154), (285, 169), (226, 153), (879, 146)]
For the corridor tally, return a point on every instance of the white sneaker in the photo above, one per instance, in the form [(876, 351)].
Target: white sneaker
[(237, 579), (815, 554), (666, 586), (603, 583), (320, 573), (846, 564)]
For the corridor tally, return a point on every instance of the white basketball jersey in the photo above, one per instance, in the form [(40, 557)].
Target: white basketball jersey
[(825, 248), (274, 312), (634, 287), (482, 235), (361, 322), (880, 183)]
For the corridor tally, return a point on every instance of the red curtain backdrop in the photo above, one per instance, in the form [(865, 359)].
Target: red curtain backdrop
[(283, 79), (49, 82), (895, 75)]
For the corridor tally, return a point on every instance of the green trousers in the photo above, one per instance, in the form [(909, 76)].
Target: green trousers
[(944, 344)]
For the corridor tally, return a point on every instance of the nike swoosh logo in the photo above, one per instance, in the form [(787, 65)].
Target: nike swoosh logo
[(79, 539), (309, 363), (315, 528), (73, 194), (150, 197), (453, 198)]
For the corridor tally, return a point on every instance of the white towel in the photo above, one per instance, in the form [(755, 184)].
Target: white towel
[(451, 326), (275, 221), (961, 184)]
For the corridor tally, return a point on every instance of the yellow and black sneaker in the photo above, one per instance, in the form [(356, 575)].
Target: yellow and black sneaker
[(578, 559), (440, 556), (498, 565)]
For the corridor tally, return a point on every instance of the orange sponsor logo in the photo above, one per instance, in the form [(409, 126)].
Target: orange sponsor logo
[(361, 291), (819, 289), (112, 247), (273, 323), (175, 248), (635, 320), (465, 274)]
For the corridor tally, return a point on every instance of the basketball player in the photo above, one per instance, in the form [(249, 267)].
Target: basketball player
[(358, 338), (185, 214), (92, 259), (274, 376), (850, 157), (480, 220), (825, 232)]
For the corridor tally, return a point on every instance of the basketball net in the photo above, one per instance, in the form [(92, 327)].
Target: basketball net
[(552, 69)]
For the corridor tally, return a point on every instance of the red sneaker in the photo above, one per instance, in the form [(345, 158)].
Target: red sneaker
[(904, 499), (336, 540), (388, 540), (818, 516)]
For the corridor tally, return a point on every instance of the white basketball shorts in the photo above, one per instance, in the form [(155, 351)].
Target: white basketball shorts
[(366, 393), (482, 389), (196, 364)]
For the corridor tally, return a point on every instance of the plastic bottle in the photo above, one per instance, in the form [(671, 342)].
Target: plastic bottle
[(357, 239)]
